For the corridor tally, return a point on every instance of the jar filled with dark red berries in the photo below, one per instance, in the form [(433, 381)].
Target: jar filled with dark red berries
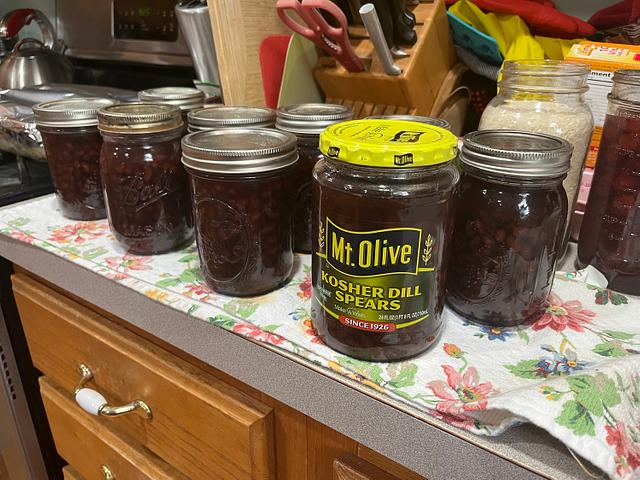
[(307, 121), (511, 212), (146, 189), (211, 118), (242, 190), (610, 233), (382, 221), (72, 144), (185, 98)]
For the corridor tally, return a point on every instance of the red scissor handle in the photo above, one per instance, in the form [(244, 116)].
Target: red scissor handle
[(333, 40)]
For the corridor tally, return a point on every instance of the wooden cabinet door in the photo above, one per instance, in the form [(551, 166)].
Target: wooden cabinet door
[(90, 445), (199, 424)]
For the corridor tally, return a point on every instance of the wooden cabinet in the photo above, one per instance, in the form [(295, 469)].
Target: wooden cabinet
[(202, 425), (199, 424), (92, 446), (70, 473), (350, 467)]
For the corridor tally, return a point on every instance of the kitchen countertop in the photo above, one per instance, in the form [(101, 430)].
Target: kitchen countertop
[(424, 444)]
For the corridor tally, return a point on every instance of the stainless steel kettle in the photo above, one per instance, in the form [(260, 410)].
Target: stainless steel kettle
[(32, 62)]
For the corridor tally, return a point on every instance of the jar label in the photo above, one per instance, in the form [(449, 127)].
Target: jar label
[(377, 280)]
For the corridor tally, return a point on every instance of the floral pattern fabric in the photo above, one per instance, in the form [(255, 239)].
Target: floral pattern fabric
[(574, 372)]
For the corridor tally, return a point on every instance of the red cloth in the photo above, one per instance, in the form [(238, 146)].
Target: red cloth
[(617, 15), (541, 16)]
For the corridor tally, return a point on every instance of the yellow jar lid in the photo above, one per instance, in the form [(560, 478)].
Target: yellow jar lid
[(388, 143)]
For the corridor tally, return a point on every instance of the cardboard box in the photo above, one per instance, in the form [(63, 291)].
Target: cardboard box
[(603, 59)]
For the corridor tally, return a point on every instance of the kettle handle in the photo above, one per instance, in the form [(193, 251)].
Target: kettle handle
[(24, 41), (13, 22)]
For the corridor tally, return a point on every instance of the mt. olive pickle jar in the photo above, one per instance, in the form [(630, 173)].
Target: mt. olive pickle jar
[(307, 121), (72, 143), (438, 122), (242, 188), (145, 186), (211, 118), (509, 225), (382, 221)]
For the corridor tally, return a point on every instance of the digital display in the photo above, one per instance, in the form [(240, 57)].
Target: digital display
[(145, 20)]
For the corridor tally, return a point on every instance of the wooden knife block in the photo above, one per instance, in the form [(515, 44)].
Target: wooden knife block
[(414, 90)]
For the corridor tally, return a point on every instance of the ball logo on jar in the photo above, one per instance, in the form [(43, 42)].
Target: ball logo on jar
[(224, 239), (140, 193)]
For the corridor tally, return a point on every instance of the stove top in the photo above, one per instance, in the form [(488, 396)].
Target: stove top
[(22, 178)]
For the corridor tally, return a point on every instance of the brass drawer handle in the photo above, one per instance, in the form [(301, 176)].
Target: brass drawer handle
[(93, 402), (107, 473)]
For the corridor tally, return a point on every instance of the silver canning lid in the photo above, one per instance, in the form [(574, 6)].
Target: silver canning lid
[(239, 150), (516, 154), (139, 118), (311, 118), (207, 118), (436, 122), (70, 112), (184, 97)]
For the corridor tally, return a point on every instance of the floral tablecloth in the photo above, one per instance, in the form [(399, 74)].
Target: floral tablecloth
[(575, 372)]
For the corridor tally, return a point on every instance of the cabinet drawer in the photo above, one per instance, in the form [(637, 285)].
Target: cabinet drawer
[(88, 444), (350, 467), (199, 424)]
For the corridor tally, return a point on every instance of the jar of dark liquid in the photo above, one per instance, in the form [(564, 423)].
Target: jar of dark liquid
[(610, 232), (307, 121), (72, 143), (212, 118), (242, 189), (511, 212), (145, 186), (185, 98), (382, 221)]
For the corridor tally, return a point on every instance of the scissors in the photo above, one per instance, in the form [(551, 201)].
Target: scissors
[(333, 40)]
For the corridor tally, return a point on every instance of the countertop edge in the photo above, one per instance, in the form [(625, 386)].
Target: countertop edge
[(376, 424)]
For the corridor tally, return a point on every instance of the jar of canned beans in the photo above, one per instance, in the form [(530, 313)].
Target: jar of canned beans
[(145, 186)]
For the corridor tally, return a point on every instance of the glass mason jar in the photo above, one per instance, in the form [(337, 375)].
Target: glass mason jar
[(382, 220), (509, 225), (242, 189), (438, 122), (185, 98), (307, 121), (546, 96), (610, 234), (72, 143), (211, 118), (146, 189)]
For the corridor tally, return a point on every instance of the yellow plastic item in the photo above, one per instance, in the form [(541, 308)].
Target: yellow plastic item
[(388, 143), (512, 35)]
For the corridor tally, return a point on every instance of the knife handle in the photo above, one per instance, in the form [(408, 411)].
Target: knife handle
[(386, 21), (402, 33)]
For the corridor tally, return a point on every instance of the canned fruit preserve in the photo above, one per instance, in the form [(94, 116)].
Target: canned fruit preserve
[(72, 143), (74, 159), (508, 227), (610, 234), (307, 121), (145, 185), (242, 189), (382, 222)]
